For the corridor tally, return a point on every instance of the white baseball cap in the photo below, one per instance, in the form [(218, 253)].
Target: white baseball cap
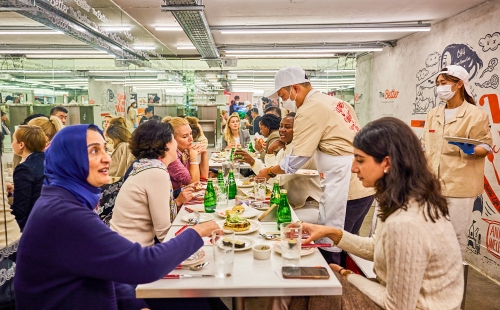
[(286, 77), (458, 72)]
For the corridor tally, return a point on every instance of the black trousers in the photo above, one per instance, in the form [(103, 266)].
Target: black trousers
[(356, 211)]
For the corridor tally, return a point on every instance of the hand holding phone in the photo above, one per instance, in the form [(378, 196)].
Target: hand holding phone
[(305, 272)]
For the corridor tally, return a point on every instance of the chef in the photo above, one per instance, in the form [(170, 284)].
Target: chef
[(325, 128)]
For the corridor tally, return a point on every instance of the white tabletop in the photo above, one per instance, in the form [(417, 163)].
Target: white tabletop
[(250, 277)]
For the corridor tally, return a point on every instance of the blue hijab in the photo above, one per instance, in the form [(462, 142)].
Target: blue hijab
[(67, 164)]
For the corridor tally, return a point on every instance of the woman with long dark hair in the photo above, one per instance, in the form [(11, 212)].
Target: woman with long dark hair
[(414, 249), (459, 166)]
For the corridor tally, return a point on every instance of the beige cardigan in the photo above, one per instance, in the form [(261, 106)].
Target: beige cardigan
[(13, 234), (142, 207), (417, 262), (121, 159)]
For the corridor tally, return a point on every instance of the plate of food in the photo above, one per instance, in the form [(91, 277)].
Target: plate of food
[(243, 211), (197, 257), (204, 217), (463, 140), (250, 192), (307, 172), (239, 225), (243, 183), (240, 244), (303, 251)]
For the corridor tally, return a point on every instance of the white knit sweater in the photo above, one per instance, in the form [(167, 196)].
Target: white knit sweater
[(417, 262)]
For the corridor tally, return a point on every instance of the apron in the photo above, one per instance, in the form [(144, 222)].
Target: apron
[(332, 207)]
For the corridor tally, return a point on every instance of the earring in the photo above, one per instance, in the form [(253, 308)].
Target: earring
[(385, 171)]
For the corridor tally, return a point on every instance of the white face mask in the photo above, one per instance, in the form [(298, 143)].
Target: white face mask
[(444, 92), (289, 104)]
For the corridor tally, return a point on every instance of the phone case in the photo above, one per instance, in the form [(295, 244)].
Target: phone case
[(305, 273)]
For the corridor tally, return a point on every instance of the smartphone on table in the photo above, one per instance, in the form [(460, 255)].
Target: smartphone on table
[(304, 272)]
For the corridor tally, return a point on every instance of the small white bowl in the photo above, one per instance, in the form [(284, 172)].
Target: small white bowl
[(261, 251)]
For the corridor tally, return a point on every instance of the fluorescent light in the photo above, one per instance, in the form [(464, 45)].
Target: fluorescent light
[(16, 32), (282, 55), (34, 71), (185, 47), (254, 71), (144, 47), (125, 71), (340, 70), (168, 28), (116, 28), (70, 56), (323, 30), (290, 50), (51, 51)]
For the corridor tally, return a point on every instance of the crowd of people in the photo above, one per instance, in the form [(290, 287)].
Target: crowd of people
[(425, 189)]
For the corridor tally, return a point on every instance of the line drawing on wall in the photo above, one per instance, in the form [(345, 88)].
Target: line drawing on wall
[(491, 83), (462, 55), (108, 101), (491, 66), (490, 41)]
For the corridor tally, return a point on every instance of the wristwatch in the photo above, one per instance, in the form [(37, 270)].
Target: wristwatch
[(269, 173)]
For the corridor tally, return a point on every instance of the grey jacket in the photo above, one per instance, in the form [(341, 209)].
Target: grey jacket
[(244, 139)]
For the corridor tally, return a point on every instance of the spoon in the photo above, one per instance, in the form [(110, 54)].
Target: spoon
[(195, 267)]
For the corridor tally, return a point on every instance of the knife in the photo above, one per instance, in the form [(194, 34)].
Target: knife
[(182, 276)]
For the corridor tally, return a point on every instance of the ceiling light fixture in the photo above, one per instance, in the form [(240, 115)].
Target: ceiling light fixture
[(311, 50), (305, 55), (75, 56), (168, 28), (185, 47), (144, 47), (116, 28), (17, 32), (50, 51)]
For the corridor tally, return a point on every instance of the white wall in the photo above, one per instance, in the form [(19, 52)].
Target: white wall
[(410, 70)]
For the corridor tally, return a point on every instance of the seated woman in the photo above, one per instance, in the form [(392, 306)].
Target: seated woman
[(269, 125), (68, 258), (187, 169), (234, 136), (105, 125), (145, 207), (28, 142), (304, 192), (121, 158), (198, 135), (415, 251), (49, 126)]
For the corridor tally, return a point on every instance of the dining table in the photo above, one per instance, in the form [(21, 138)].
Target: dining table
[(215, 162), (250, 277)]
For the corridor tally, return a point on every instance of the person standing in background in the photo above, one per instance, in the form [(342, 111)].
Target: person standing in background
[(324, 127), (5, 127), (59, 112), (256, 121), (148, 113), (459, 166), (132, 115)]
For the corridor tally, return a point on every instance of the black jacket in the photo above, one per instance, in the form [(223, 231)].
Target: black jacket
[(28, 181)]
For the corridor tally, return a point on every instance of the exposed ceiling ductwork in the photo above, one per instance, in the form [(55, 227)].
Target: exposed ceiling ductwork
[(191, 17)]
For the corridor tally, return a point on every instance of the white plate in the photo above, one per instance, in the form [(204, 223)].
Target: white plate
[(249, 212), (204, 217), (463, 140), (239, 183), (249, 242), (254, 226), (197, 257), (249, 192), (303, 251), (307, 172)]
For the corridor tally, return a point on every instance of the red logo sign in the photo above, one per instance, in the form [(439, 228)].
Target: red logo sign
[(493, 237), (391, 94)]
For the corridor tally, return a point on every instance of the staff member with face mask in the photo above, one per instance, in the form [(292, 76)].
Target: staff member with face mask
[(459, 166), (324, 127)]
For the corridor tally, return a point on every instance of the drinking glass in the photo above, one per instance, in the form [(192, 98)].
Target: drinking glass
[(291, 243), (223, 243), (236, 168), (259, 189), (222, 195), (226, 166)]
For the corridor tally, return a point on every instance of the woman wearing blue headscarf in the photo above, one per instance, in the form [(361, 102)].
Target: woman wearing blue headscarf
[(68, 258)]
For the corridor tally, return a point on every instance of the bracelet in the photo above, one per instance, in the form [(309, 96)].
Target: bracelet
[(340, 238), (340, 270), (194, 163), (347, 272), (269, 173), (193, 159)]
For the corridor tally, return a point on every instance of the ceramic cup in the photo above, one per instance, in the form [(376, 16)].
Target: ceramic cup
[(261, 251)]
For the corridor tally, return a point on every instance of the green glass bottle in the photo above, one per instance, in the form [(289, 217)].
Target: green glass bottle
[(275, 196), (231, 155), (210, 200), (250, 147), (232, 185), (220, 178), (284, 214)]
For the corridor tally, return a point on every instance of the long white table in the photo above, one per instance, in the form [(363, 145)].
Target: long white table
[(250, 278)]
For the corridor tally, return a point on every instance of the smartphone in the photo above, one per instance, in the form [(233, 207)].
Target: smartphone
[(305, 272)]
